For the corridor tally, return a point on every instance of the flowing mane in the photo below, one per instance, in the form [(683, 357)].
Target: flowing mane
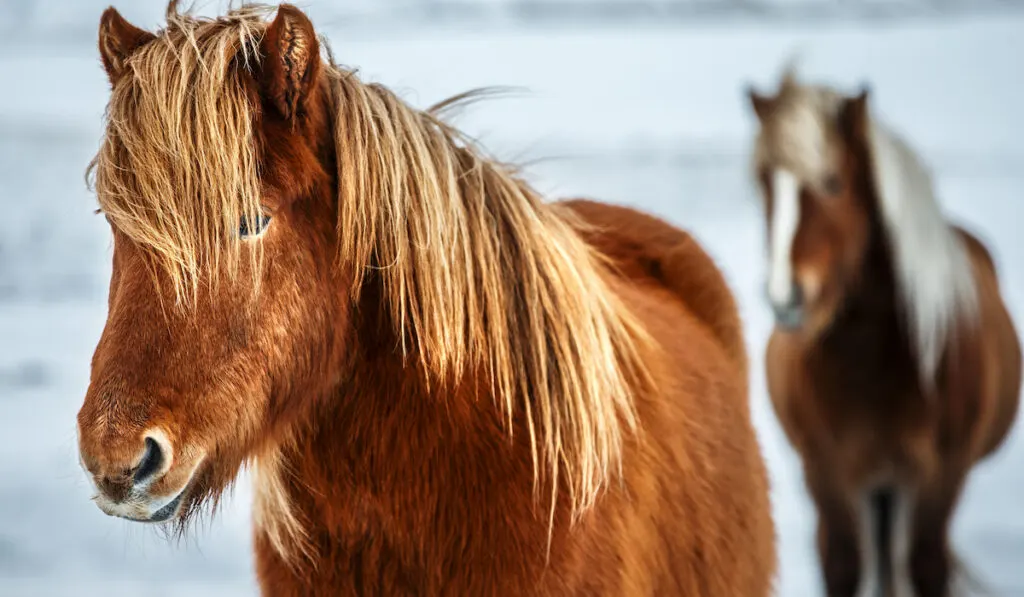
[(478, 275), (933, 272)]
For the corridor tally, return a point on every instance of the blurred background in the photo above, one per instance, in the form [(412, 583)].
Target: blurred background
[(631, 101)]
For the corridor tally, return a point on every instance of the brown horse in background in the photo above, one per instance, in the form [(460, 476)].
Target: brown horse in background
[(894, 366), (443, 384)]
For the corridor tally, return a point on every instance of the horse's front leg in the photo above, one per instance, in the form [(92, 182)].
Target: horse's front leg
[(932, 565), (837, 536)]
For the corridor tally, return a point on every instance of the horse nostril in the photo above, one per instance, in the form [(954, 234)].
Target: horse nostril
[(151, 463)]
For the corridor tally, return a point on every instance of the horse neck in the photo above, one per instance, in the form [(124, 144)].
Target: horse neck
[(382, 393), (388, 452), (869, 316)]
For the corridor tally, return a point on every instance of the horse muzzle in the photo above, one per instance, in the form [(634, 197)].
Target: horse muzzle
[(789, 309), (788, 317), (136, 491)]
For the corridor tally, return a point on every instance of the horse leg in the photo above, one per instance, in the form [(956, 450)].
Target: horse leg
[(873, 532), (902, 535), (885, 521), (837, 540), (931, 562)]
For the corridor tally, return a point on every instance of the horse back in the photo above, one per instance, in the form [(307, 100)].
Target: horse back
[(648, 250), (699, 465), (997, 345)]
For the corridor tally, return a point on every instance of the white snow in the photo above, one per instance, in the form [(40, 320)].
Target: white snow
[(652, 116)]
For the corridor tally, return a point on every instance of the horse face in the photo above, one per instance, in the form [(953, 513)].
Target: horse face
[(181, 395), (818, 215)]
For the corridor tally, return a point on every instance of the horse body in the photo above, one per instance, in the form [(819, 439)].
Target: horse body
[(449, 508), (864, 371), (852, 406), (444, 386), (887, 439)]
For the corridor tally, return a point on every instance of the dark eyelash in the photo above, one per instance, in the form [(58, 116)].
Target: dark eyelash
[(260, 224)]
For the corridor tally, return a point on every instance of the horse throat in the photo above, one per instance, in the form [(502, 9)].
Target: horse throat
[(869, 319)]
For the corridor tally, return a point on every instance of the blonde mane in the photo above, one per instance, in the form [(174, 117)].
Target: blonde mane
[(933, 271), (479, 276), (934, 276)]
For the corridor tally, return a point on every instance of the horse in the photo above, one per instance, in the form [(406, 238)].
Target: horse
[(442, 384), (894, 366)]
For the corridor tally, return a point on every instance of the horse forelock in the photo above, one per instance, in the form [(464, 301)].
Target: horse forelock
[(178, 168), (800, 133), (480, 278)]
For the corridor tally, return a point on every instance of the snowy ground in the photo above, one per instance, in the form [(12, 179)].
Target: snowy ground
[(653, 117)]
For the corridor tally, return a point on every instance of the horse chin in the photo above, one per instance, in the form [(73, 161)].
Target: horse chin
[(173, 510), (787, 325), (167, 512)]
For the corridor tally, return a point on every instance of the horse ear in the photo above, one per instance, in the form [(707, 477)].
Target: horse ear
[(855, 115), (762, 104), (291, 61), (118, 40)]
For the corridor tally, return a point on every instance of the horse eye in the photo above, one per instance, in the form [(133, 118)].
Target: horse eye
[(248, 229), (833, 185)]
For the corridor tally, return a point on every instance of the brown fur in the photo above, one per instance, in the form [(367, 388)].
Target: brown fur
[(445, 386), (846, 386)]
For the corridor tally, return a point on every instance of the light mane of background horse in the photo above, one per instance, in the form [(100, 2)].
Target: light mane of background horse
[(933, 272), (478, 274)]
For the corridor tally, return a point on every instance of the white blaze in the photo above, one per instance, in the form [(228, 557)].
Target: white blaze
[(785, 219)]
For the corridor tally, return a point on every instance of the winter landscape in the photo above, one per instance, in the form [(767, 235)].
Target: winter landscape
[(647, 111)]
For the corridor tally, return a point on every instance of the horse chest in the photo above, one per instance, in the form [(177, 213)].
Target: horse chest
[(866, 414)]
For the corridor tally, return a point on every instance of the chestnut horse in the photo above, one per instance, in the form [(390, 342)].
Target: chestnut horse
[(444, 385), (894, 366)]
